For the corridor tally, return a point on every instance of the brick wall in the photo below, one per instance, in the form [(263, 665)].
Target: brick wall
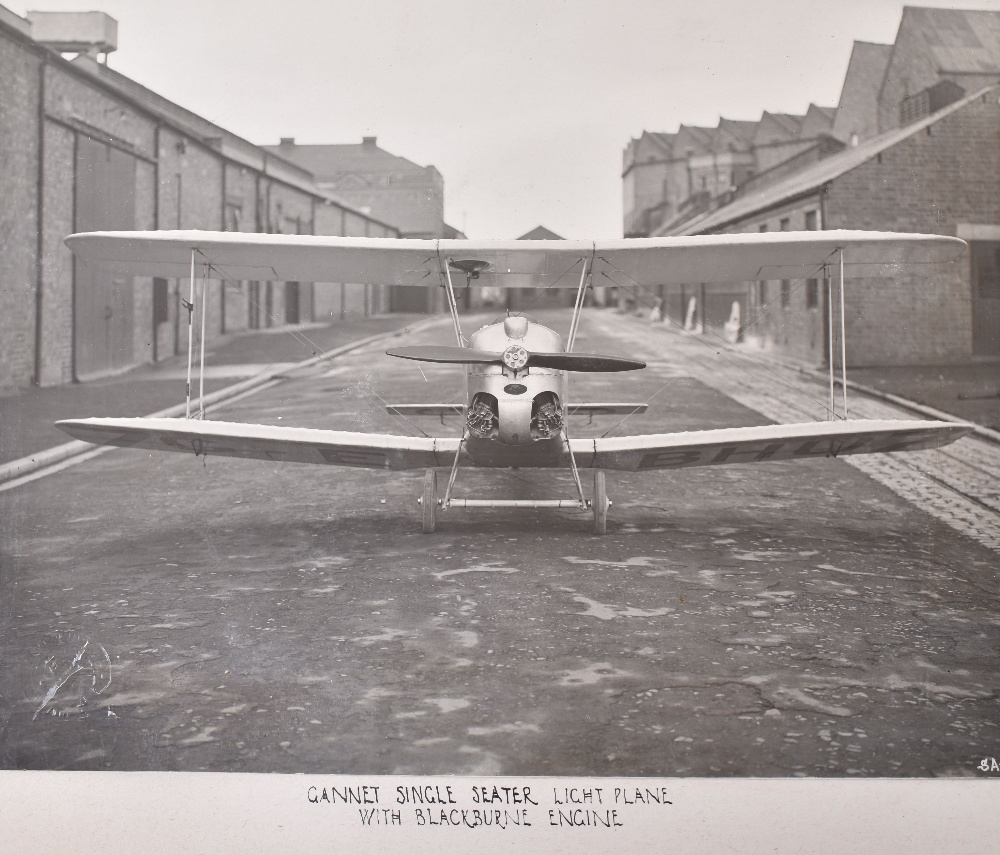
[(142, 294), (930, 183), (179, 183), (18, 212), (911, 67), (57, 261)]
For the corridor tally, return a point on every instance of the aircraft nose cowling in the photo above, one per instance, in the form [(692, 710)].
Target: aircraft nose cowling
[(515, 422)]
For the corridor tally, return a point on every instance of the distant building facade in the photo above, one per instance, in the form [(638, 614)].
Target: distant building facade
[(370, 179), (84, 148), (670, 178), (385, 186), (914, 146)]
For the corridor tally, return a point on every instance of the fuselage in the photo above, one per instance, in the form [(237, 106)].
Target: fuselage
[(514, 416)]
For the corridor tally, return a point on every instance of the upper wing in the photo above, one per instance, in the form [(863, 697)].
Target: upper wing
[(527, 263), (266, 442), (766, 442)]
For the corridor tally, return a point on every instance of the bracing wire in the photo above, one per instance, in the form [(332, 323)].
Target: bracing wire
[(798, 284), (549, 286), (300, 337)]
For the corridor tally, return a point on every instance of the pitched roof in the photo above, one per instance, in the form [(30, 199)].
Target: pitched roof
[(541, 233), (961, 41), (817, 175), (857, 111), (744, 128), (817, 120), (777, 128), (665, 141), (329, 161), (735, 134), (702, 137)]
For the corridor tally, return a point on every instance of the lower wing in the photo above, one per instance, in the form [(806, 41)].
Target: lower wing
[(766, 442), (630, 453), (266, 442)]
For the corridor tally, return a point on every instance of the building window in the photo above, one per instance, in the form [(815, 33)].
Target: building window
[(786, 293), (812, 293), (763, 227), (811, 221), (762, 293), (786, 224)]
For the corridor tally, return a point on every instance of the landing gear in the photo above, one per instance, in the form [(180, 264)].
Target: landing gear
[(428, 503), (600, 503)]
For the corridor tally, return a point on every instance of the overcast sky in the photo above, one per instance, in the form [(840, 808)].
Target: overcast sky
[(524, 106)]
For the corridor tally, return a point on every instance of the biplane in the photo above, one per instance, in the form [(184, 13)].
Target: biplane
[(516, 412)]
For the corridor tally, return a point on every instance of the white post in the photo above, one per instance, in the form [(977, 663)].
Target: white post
[(843, 335), (187, 409)]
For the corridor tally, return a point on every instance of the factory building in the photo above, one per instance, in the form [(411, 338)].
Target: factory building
[(85, 148), (383, 185), (913, 146)]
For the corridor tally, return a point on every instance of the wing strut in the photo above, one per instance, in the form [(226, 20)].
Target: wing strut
[(832, 411), (578, 307), (452, 305), (190, 308), (574, 326), (843, 335), (201, 374)]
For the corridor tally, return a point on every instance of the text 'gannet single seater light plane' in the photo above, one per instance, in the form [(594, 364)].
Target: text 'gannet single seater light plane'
[(516, 413)]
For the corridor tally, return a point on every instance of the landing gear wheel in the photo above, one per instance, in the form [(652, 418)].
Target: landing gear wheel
[(428, 503), (600, 504)]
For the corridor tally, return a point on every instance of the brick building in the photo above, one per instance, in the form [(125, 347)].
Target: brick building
[(914, 146), (383, 185), (82, 148), (669, 178), (375, 181)]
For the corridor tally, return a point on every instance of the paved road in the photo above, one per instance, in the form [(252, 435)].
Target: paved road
[(821, 617)]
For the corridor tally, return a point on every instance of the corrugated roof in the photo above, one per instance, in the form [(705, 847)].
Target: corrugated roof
[(816, 175)]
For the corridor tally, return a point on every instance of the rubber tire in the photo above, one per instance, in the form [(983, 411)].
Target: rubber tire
[(600, 503), (428, 504)]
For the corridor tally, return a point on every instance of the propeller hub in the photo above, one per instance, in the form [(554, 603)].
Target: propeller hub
[(515, 357)]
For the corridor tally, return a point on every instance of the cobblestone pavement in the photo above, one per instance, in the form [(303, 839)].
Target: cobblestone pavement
[(958, 484), (791, 618)]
